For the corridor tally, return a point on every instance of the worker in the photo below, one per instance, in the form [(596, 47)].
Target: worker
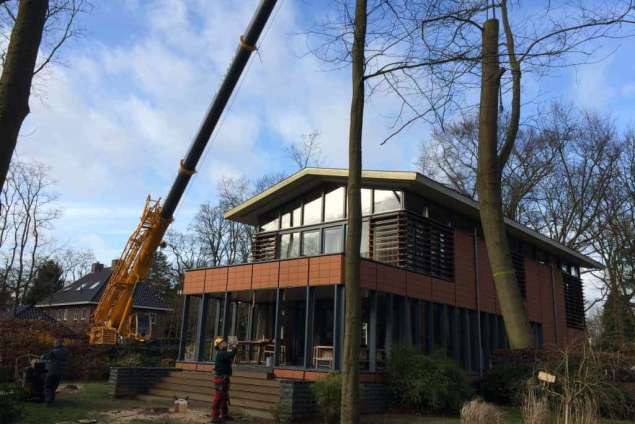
[(222, 373), (55, 363)]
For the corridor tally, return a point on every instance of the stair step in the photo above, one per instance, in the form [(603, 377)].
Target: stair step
[(193, 382), (170, 394), (254, 382), (208, 383), (192, 375), (262, 375), (261, 397), (184, 388), (252, 404)]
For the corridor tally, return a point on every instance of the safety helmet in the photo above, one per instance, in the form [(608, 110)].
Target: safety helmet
[(218, 341)]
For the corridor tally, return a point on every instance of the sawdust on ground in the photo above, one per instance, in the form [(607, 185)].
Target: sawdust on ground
[(192, 416)]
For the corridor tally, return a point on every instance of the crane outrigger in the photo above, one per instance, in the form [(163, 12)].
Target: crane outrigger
[(110, 321)]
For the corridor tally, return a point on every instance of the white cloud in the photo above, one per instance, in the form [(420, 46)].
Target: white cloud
[(592, 87)]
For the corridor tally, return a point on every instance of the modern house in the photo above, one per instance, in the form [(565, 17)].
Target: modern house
[(74, 304), (425, 276)]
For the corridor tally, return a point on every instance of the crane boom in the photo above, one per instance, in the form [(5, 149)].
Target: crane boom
[(111, 317)]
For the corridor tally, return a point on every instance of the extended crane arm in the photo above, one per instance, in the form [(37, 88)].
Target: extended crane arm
[(111, 316)]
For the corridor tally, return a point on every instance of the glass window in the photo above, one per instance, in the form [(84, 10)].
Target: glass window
[(367, 199), (313, 211), (364, 248), (322, 352), (271, 225), (311, 243), (285, 220), (387, 200), (289, 245), (191, 323), (334, 204), (291, 218), (297, 216), (212, 325), (334, 239), (292, 319)]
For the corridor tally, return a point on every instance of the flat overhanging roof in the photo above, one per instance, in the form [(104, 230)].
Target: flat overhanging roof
[(309, 178)]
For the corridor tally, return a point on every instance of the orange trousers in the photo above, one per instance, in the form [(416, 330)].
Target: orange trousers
[(221, 396)]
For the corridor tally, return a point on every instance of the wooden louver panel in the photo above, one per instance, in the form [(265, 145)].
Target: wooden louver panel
[(573, 301), (519, 266), (430, 247), (264, 247), (387, 236)]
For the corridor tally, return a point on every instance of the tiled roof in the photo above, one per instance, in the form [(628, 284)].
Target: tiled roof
[(88, 290), (31, 313)]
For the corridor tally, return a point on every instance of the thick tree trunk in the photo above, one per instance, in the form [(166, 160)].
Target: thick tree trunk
[(490, 197), (17, 74), (352, 329)]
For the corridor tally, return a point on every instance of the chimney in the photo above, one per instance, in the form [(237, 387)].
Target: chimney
[(96, 267), (114, 264)]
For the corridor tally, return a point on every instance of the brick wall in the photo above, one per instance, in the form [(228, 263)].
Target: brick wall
[(130, 382)]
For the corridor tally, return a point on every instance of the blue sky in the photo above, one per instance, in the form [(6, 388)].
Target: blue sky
[(113, 120)]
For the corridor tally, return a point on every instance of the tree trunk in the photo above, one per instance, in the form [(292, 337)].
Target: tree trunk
[(352, 330), (490, 197), (17, 74)]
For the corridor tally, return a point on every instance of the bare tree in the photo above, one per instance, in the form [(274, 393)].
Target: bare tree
[(75, 263), (431, 54), (37, 28), (26, 220), (306, 151)]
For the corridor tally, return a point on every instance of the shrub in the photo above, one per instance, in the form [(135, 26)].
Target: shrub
[(327, 394), (478, 412), (426, 383), (10, 406), (504, 384)]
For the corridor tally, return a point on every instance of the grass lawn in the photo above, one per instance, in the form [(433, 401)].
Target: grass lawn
[(94, 399), (89, 402)]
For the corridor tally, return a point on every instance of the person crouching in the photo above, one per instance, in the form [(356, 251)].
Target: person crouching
[(222, 373)]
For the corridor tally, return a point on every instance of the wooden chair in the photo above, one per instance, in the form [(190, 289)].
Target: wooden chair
[(323, 355)]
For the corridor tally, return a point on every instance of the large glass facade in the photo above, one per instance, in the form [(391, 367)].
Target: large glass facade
[(292, 323), (322, 351), (308, 328), (189, 342), (213, 324)]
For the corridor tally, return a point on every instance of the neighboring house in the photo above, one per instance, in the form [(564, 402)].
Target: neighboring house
[(31, 313), (74, 304), (425, 279)]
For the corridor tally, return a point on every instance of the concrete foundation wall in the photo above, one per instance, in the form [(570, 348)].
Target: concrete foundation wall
[(297, 401)]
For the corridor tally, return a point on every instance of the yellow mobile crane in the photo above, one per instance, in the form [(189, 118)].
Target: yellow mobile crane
[(110, 321)]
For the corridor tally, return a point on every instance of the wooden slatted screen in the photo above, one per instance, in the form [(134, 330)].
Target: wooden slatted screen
[(264, 247), (429, 247), (519, 266), (573, 301)]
